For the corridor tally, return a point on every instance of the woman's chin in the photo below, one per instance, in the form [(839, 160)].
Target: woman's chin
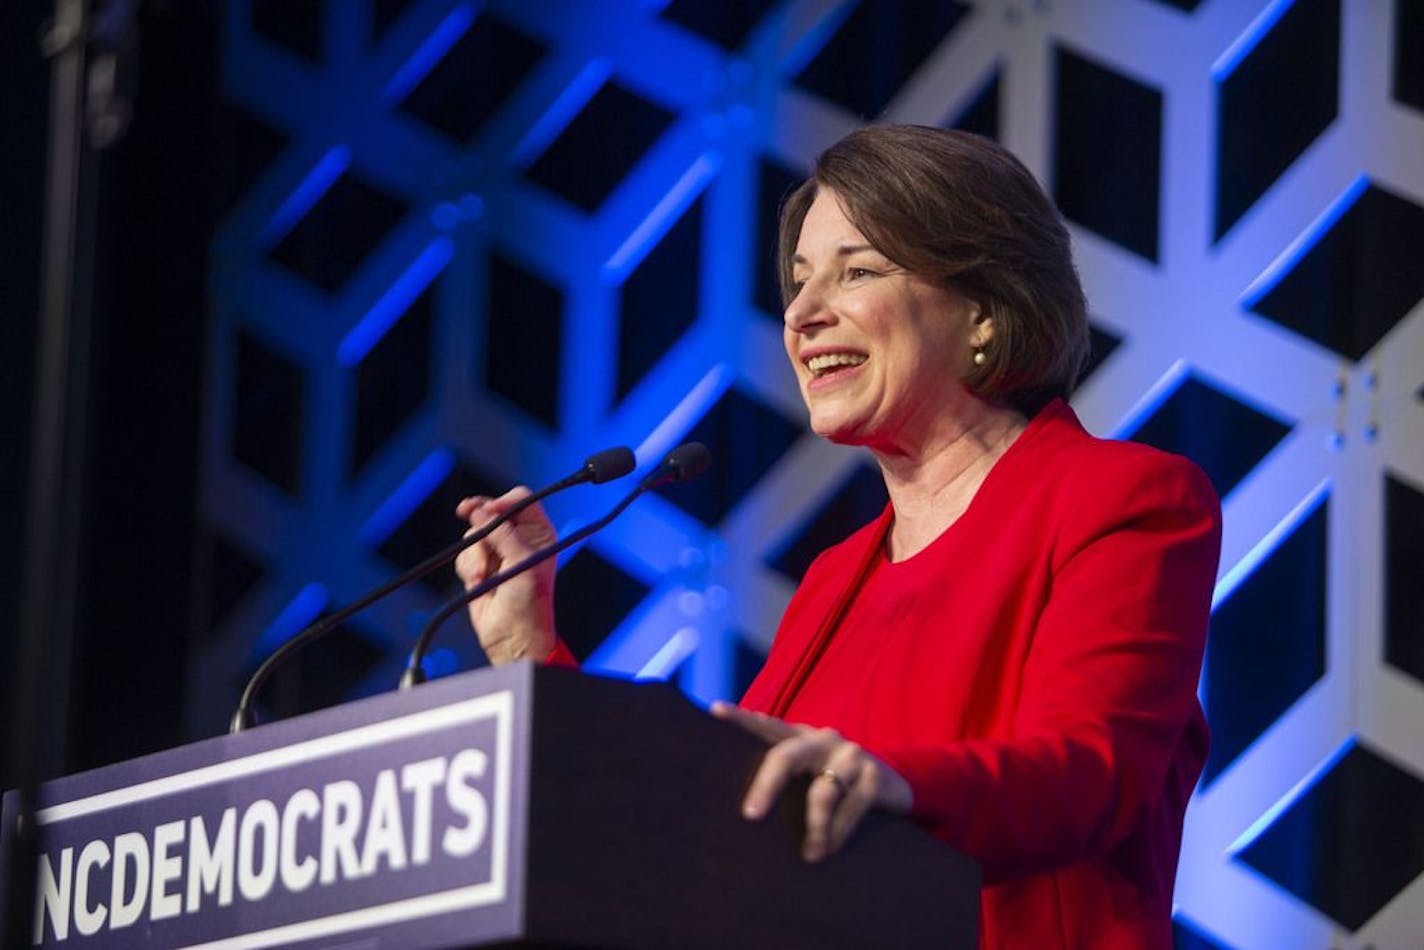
[(839, 431)]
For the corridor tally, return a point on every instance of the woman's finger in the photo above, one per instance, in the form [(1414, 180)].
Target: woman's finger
[(509, 499), (468, 506), (787, 758), (486, 507), (861, 775), (473, 564), (768, 727), (845, 780), (825, 796)]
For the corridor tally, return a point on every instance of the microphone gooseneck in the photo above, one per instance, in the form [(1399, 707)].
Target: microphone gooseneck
[(684, 462), (597, 468)]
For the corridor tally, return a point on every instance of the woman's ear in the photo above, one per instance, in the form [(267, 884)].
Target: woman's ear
[(981, 327)]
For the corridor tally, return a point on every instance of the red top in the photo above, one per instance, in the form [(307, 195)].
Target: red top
[(1032, 674)]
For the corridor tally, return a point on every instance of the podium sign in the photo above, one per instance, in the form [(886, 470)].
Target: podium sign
[(396, 816), (519, 804)]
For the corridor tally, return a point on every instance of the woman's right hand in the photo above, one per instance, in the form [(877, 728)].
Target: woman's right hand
[(515, 620)]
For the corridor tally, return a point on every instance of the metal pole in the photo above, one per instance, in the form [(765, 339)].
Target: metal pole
[(82, 117)]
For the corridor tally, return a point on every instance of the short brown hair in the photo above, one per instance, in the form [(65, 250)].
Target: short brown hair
[(960, 210)]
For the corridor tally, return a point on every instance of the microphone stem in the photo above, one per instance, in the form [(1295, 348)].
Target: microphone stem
[(316, 630)]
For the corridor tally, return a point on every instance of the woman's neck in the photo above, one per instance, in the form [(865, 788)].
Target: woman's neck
[(932, 485)]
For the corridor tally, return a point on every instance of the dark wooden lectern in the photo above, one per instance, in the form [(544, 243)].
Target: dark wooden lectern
[(636, 839)]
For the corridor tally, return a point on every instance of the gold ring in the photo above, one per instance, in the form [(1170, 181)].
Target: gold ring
[(836, 780)]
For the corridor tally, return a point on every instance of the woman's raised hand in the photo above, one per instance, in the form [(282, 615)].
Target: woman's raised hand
[(846, 780), (515, 620)]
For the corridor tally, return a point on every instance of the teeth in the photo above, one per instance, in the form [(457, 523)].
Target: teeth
[(823, 364)]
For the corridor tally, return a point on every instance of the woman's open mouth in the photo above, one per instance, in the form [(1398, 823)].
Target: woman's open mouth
[(826, 365)]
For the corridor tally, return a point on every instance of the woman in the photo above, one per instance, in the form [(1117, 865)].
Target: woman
[(1010, 652)]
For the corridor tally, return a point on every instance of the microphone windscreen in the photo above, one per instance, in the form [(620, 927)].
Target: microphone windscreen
[(687, 461), (609, 464)]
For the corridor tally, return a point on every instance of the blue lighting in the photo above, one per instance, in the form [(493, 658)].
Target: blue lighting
[(636, 648), (561, 111), (1243, 568), (631, 252), (685, 414), (441, 662), (814, 40), (1249, 39), (395, 301), (1150, 401), (1303, 244), (418, 485), (436, 45), (670, 655), (308, 192), (1269, 816), (303, 609), (471, 207), (445, 216), (707, 676)]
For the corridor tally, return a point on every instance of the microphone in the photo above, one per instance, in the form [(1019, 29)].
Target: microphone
[(684, 462), (597, 468)]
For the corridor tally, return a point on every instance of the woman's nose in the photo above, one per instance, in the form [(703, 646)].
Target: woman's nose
[(806, 310)]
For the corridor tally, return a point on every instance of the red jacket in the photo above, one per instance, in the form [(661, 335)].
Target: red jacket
[(1032, 674)]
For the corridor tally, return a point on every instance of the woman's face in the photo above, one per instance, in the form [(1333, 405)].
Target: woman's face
[(878, 351)]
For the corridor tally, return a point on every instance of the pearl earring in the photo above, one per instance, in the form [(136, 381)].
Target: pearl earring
[(979, 358)]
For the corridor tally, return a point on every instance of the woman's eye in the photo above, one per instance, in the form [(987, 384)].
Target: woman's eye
[(855, 273)]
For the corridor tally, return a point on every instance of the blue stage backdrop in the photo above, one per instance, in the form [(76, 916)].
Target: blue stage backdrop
[(468, 243)]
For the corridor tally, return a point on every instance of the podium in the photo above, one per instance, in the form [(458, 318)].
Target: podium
[(515, 806)]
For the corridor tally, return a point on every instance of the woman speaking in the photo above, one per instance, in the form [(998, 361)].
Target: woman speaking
[(1009, 654)]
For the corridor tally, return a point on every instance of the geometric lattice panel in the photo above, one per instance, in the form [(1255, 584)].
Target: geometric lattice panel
[(1359, 280), (658, 302), (268, 432), (1185, 937), (875, 50), (1274, 620), (392, 381), (776, 182), (1407, 70), (478, 73), (1404, 595), (1278, 89), (1223, 435), (748, 438), (1108, 127), (593, 154), (725, 22), (593, 596), (1351, 843), (522, 353), (466, 244), (861, 498)]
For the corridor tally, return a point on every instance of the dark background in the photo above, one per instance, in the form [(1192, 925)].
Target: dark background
[(137, 504)]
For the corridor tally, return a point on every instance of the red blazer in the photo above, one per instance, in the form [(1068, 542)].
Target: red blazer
[(1032, 674)]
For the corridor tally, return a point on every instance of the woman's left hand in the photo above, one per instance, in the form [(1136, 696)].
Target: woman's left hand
[(846, 780)]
